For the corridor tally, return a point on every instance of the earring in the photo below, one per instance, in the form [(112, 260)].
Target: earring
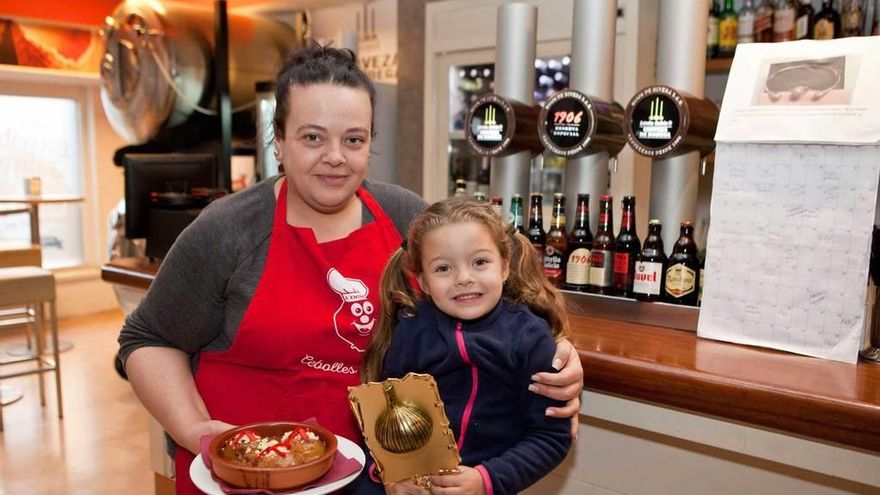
[(280, 168)]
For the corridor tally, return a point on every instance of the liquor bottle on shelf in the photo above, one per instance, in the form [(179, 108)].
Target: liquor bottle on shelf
[(682, 269), (783, 20), (764, 22), (727, 30), (826, 24), (650, 266), (580, 243), (557, 243), (712, 31), (516, 213), (497, 205), (803, 22), (460, 188), (602, 255), (745, 23), (536, 233), (480, 196), (626, 249), (851, 19)]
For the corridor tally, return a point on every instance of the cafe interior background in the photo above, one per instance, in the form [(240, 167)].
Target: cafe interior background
[(427, 58)]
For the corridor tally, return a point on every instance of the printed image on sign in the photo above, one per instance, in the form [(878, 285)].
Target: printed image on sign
[(565, 128), (655, 121), (489, 125)]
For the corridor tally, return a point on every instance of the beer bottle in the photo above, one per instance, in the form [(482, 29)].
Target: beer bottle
[(497, 205), (712, 31), (803, 22), (536, 233), (460, 188), (745, 24), (783, 21), (682, 269), (626, 249), (851, 19), (826, 25), (557, 243), (727, 29), (650, 265), (602, 255), (516, 213), (480, 196), (764, 22), (580, 243)]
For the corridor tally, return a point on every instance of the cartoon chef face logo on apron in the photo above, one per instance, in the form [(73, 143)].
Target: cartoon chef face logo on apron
[(354, 320)]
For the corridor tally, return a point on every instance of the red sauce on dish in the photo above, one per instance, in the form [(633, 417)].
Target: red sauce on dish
[(292, 448)]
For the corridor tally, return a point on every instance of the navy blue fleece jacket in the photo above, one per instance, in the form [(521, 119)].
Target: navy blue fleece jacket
[(506, 436)]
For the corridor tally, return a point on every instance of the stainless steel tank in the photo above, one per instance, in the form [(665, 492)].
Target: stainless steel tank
[(157, 66)]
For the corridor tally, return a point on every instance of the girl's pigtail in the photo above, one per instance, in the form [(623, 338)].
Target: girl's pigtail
[(395, 293), (527, 284)]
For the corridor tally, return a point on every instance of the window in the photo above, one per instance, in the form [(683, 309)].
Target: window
[(41, 137)]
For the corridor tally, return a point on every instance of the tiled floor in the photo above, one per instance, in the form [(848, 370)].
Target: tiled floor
[(101, 446)]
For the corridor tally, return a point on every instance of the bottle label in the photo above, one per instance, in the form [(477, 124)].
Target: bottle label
[(727, 38), (783, 25), (621, 263), (647, 278), (680, 280), (712, 39), (851, 23), (823, 30), (800, 27), (552, 262), (577, 271), (745, 29), (600, 268), (764, 27)]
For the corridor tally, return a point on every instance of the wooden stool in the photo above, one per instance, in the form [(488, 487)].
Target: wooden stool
[(33, 286), (19, 253)]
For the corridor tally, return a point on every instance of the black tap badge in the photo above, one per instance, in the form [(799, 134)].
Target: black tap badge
[(488, 129), (566, 123), (655, 122)]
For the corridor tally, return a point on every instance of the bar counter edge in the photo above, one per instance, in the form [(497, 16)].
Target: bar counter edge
[(822, 400)]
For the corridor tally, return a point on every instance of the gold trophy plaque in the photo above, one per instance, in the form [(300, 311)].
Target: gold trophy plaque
[(405, 426)]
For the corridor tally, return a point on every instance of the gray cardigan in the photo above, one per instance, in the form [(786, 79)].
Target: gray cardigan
[(206, 282)]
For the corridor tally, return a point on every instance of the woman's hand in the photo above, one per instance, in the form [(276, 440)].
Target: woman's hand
[(467, 481), (565, 385), (405, 488), (198, 430)]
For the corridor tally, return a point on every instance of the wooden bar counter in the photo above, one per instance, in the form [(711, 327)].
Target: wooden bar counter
[(822, 399), (659, 400)]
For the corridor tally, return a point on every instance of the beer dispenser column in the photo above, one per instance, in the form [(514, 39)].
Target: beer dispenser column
[(516, 37), (594, 27), (681, 64)]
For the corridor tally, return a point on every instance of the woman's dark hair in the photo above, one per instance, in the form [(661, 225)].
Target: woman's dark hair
[(318, 64)]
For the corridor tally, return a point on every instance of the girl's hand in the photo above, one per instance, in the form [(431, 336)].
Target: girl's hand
[(405, 488), (565, 385), (467, 481)]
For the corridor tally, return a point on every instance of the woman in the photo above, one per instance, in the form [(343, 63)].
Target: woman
[(262, 309)]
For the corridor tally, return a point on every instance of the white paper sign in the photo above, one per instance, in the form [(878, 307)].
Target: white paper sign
[(789, 245), (803, 91)]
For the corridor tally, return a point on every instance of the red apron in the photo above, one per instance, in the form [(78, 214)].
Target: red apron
[(301, 340)]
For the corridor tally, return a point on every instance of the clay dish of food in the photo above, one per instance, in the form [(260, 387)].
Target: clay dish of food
[(271, 478)]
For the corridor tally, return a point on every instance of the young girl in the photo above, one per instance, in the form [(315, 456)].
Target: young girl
[(482, 321)]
